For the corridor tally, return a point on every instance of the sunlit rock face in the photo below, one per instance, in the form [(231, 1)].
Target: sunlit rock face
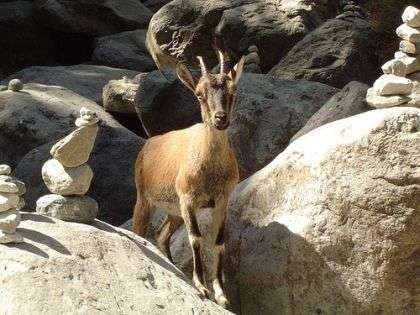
[(331, 225)]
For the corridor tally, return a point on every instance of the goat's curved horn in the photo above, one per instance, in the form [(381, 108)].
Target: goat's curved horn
[(202, 65), (222, 62)]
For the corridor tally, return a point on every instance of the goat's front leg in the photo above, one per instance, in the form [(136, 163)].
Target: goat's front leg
[(194, 236), (218, 250)]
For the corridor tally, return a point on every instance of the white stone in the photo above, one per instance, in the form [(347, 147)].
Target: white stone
[(6, 238), (409, 47), (400, 54), (75, 149), (15, 85), (9, 220), (389, 84), (80, 122), (65, 180), (375, 100), (9, 184), (411, 16), (68, 268), (81, 209), (409, 33), (412, 64), (8, 201), (396, 67), (5, 169)]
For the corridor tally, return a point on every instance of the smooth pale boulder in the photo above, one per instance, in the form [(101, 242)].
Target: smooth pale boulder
[(390, 84), (377, 101), (97, 269), (6, 238), (411, 16), (75, 149), (331, 225), (9, 221), (66, 181), (396, 67), (82, 209), (409, 33), (5, 169), (8, 201), (411, 63), (409, 47)]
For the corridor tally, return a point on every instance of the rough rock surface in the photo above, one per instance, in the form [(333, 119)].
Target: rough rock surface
[(9, 221), (8, 201), (339, 51), (155, 5), (183, 29), (390, 84), (86, 80), (124, 50), (350, 101), (331, 225), (27, 43), (81, 209), (66, 181), (97, 279), (268, 112), (92, 17), (75, 149), (41, 114), (377, 101), (118, 95)]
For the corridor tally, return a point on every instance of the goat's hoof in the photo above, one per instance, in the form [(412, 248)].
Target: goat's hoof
[(204, 292), (222, 301)]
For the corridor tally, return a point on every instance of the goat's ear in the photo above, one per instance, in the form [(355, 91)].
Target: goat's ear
[(236, 72), (186, 77)]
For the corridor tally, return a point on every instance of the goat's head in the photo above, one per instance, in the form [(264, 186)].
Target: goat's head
[(215, 92)]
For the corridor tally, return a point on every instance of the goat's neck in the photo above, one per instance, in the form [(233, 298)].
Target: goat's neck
[(215, 142)]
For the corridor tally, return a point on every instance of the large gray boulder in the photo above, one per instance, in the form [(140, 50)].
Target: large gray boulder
[(24, 42), (41, 115), (331, 225), (124, 50), (75, 268), (350, 101), (268, 112), (183, 29), (83, 79), (337, 52), (92, 17)]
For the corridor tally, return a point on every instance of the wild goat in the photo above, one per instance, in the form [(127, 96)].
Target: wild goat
[(185, 170)]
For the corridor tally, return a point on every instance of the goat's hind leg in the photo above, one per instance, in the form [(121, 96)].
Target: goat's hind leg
[(143, 211), (164, 233)]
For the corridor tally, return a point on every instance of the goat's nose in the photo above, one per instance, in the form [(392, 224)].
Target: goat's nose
[(221, 117)]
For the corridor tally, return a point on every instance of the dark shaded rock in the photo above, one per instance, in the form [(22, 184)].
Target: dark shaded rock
[(92, 17), (350, 101), (125, 50), (268, 112), (86, 80), (339, 51), (155, 5), (23, 42), (183, 29)]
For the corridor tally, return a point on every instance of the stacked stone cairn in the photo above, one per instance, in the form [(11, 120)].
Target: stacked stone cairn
[(68, 176), (400, 83), (11, 201)]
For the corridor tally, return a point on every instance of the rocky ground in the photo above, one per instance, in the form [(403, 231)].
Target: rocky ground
[(326, 132)]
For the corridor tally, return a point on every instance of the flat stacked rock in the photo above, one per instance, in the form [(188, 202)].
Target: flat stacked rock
[(11, 201), (351, 9), (68, 176), (400, 83), (252, 60)]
